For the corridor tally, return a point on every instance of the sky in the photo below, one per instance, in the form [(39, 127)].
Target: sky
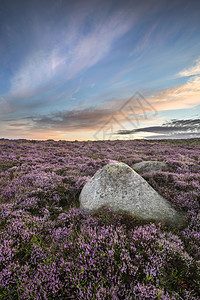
[(96, 69)]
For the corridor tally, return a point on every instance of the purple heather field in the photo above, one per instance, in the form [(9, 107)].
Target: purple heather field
[(50, 249)]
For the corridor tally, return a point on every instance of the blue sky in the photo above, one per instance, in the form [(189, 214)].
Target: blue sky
[(95, 69)]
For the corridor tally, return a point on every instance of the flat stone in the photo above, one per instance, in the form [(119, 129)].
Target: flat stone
[(119, 187), (148, 166)]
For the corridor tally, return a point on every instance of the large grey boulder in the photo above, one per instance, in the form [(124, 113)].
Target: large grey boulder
[(149, 165), (119, 187)]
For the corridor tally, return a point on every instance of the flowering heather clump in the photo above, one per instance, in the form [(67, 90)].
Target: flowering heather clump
[(50, 249)]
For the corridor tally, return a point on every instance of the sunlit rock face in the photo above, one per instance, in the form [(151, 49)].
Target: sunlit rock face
[(119, 187), (149, 166)]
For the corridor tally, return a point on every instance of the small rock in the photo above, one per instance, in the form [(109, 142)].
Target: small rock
[(119, 187), (148, 166)]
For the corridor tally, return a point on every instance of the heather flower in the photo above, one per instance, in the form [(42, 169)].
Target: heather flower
[(50, 249)]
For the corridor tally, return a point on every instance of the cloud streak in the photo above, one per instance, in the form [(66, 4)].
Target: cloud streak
[(169, 128), (182, 96), (145, 41), (192, 71), (69, 49)]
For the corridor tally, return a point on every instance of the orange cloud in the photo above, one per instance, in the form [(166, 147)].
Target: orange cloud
[(183, 96)]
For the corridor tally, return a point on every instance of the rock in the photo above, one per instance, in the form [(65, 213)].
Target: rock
[(119, 187), (148, 166)]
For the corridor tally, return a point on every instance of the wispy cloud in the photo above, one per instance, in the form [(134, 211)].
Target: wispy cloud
[(4, 106), (194, 70), (183, 96), (74, 49), (145, 41)]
